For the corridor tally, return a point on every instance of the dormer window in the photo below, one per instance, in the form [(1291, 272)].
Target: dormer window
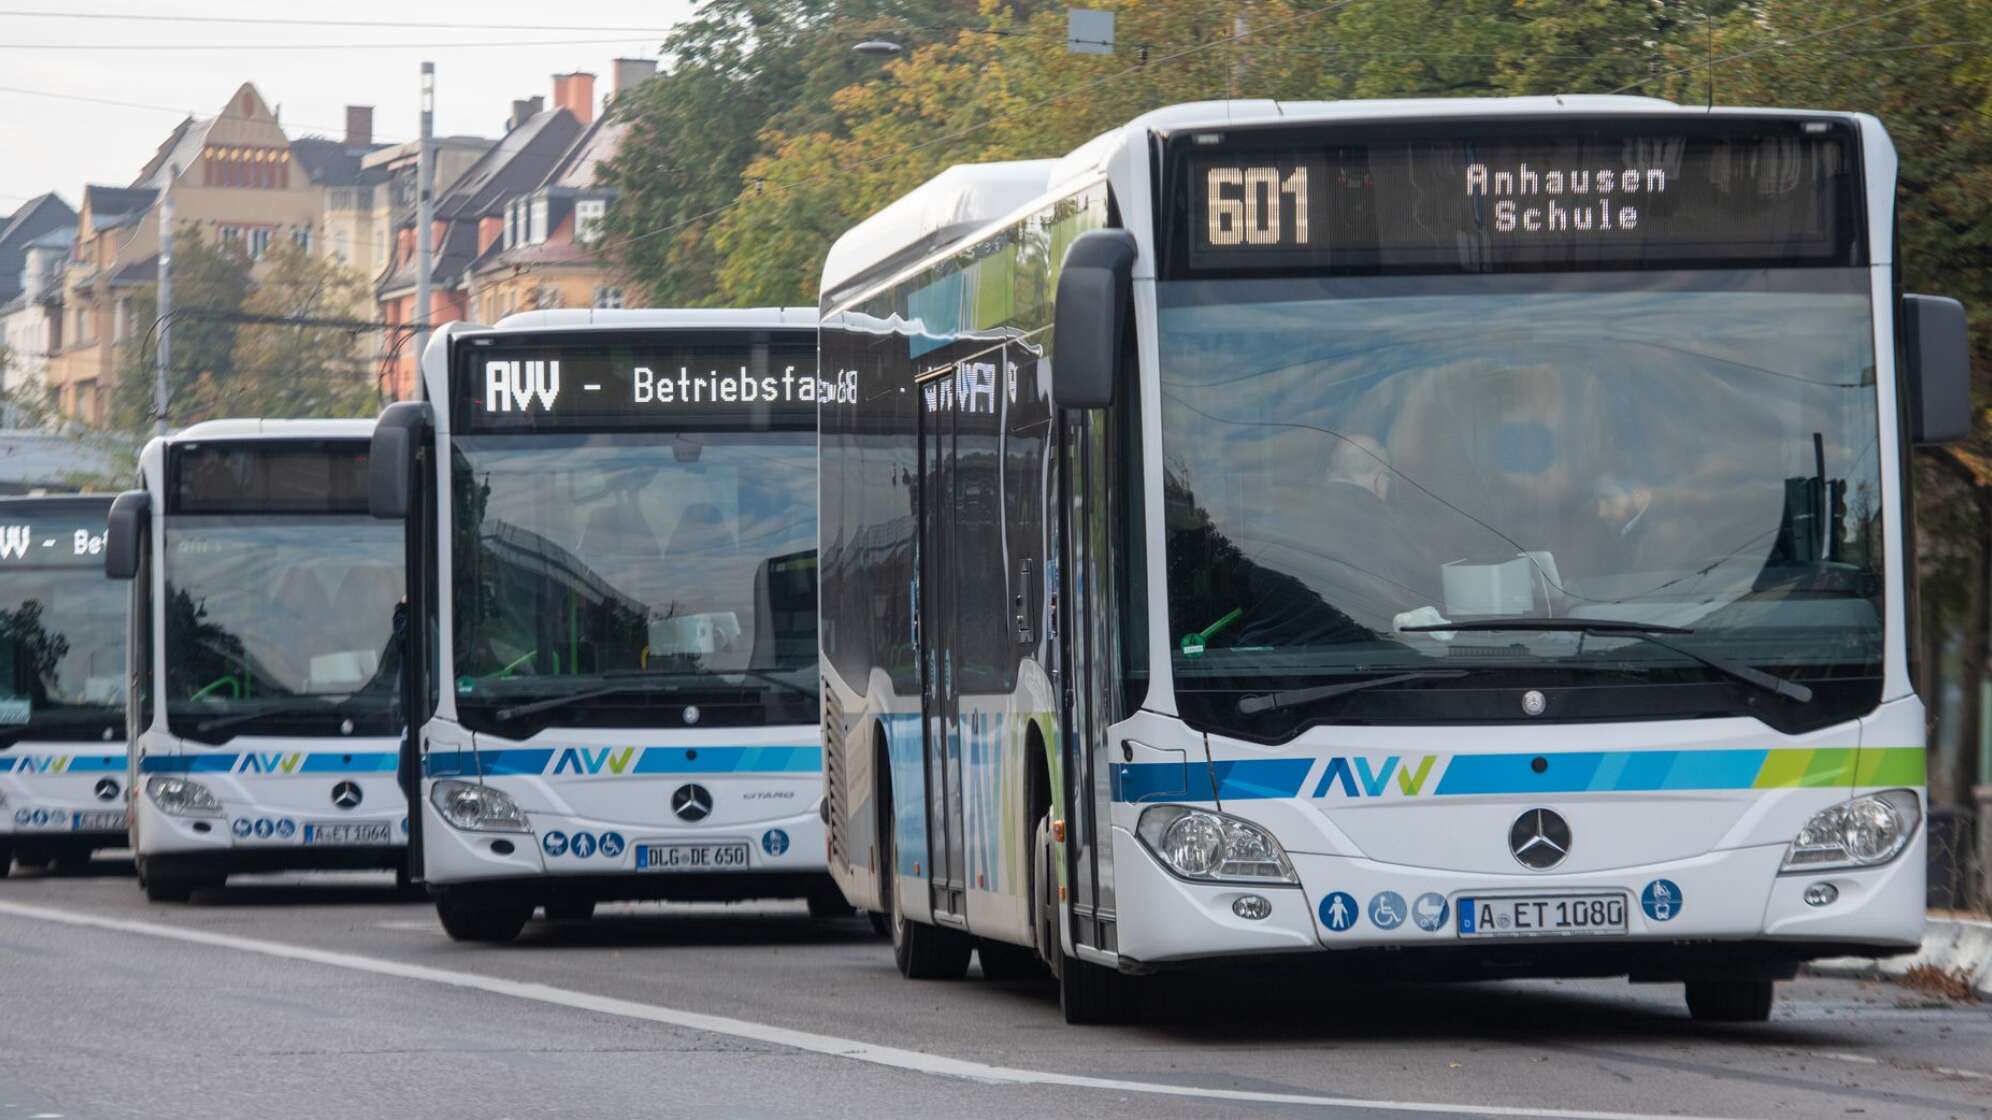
[(588, 216), (536, 232)]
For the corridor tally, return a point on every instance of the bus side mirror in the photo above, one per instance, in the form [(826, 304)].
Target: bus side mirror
[(1937, 346), (1091, 321), (123, 532), (391, 458)]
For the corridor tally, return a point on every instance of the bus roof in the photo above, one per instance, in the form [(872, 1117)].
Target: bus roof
[(274, 429), (761, 318), (938, 211)]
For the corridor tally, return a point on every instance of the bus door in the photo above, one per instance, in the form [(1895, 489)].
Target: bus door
[(939, 503)]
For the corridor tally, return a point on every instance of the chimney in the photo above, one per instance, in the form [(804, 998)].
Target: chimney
[(359, 127), (489, 229), (523, 110), (633, 72), (576, 93)]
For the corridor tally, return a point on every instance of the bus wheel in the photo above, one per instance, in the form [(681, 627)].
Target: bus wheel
[(465, 921), (1730, 1001), (1094, 994), (570, 910), (828, 902), (921, 951), (1003, 961), (162, 887)]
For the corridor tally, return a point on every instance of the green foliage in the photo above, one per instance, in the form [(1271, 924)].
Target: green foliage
[(225, 361)]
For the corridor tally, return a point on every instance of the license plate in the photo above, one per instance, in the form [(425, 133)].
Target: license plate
[(1538, 915), (691, 857), (347, 832), (97, 820)]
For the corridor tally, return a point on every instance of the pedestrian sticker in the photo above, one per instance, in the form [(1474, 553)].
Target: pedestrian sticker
[(1429, 912), (1386, 910), (1661, 900), (583, 845), (1339, 911)]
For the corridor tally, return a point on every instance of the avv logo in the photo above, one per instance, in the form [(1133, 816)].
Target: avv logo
[(1367, 778), (268, 763), (42, 764), (15, 539), (580, 760), (512, 386)]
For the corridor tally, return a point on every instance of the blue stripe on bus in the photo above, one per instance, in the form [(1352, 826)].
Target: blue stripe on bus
[(1602, 771), (187, 763), (653, 761)]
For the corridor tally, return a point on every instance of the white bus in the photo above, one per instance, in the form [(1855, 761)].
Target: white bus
[(62, 736), (1449, 538), (615, 525), (263, 703)]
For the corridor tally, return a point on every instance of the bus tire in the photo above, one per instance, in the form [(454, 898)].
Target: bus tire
[(829, 903), (570, 910), (465, 921), (1004, 961), (1091, 994), (921, 951), (1730, 1001), (161, 887)]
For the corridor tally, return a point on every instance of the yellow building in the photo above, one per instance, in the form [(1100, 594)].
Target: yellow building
[(231, 175)]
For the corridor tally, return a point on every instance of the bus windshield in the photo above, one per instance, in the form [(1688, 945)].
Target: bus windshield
[(61, 654), (282, 626), (634, 579), (1347, 460)]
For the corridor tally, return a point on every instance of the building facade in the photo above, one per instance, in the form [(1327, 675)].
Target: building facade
[(34, 241), (233, 179)]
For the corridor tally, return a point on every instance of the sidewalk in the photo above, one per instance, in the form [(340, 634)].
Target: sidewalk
[(1960, 944)]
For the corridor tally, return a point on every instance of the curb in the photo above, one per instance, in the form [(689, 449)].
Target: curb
[(1958, 945)]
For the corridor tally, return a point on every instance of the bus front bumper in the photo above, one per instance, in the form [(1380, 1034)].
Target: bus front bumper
[(605, 860), (1728, 905)]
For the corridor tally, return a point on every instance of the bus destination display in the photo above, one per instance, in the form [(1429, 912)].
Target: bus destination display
[(1466, 203), (573, 388), (58, 537)]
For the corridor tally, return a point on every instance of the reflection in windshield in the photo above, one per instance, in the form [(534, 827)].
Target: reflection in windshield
[(61, 652), (591, 558), (1689, 449), (292, 616)]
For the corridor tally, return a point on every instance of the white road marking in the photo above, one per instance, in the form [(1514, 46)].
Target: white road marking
[(892, 1057), (1864, 1060)]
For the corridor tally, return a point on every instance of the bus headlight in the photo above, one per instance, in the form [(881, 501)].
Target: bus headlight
[(476, 808), (182, 797), (1212, 847), (1863, 832)]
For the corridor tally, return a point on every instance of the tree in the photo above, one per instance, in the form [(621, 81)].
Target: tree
[(229, 356), (207, 276)]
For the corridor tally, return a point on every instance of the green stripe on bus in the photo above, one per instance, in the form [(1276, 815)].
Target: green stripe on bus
[(1893, 766)]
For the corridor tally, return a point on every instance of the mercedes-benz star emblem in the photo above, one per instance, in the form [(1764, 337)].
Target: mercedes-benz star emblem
[(107, 789), (1534, 703), (1540, 839), (691, 803), (347, 795)]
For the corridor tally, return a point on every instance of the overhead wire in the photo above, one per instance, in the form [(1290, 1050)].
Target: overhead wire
[(291, 21)]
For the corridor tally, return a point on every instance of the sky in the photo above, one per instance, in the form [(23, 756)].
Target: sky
[(177, 68)]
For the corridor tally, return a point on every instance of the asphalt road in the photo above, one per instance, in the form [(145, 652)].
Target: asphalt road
[(297, 996)]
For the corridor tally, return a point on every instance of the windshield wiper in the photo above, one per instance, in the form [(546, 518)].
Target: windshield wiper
[(1648, 632), (1268, 701), (220, 722), (553, 702)]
